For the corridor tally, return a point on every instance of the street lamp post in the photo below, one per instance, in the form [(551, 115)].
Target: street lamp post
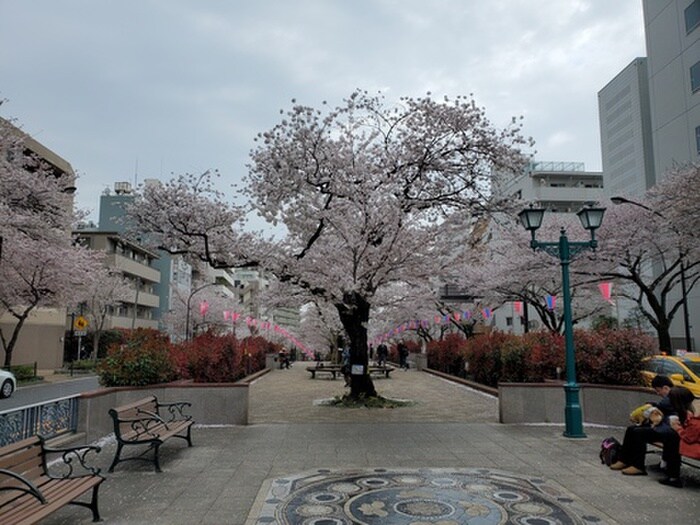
[(684, 299), (591, 219)]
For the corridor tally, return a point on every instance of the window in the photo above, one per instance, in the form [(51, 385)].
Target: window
[(673, 368), (692, 16), (695, 77)]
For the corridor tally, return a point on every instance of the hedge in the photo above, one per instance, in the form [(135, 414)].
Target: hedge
[(605, 356)]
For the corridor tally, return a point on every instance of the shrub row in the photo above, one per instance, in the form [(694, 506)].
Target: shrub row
[(144, 357), (604, 356)]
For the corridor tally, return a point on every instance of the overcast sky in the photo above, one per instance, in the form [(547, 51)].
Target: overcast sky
[(135, 89)]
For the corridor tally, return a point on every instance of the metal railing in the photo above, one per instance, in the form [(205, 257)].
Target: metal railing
[(48, 418)]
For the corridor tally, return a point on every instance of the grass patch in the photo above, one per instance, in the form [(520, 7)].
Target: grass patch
[(346, 401)]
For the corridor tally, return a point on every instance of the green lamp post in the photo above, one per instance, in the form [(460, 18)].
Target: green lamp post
[(591, 219)]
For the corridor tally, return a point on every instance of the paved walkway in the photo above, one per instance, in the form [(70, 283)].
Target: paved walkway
[(224, 477)]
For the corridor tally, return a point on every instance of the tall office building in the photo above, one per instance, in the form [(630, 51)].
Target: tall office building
[(672, 29), (651, 121), (625, 131)]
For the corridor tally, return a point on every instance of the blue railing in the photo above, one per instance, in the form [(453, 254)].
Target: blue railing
[(49, 419)]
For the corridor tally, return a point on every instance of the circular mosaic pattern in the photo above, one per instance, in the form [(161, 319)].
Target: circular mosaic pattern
[(419, 497)]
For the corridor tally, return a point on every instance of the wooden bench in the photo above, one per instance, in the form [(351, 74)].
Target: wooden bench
[(29, 492), (148, 422), (333, 370), (657, 448), (386, 370)]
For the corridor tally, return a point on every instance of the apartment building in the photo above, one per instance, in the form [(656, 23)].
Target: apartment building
[(175, 273), (137, 265), (559, 187)]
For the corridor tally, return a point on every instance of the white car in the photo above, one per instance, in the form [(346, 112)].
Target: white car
[(8, 383)]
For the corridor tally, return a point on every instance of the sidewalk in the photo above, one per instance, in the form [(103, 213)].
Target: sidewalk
[(240, 475), (52, 376)]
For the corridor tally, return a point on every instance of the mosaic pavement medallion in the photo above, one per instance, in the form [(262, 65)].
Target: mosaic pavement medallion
[(417, 497)]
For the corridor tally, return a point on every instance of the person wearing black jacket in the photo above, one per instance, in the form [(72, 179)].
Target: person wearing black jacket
[(634, 445)]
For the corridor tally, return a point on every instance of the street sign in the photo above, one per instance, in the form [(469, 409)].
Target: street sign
[(80, 323), (79, 333)]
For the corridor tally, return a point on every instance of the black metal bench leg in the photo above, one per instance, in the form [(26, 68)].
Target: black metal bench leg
[(93, 504), (156, 459), (117, 457)]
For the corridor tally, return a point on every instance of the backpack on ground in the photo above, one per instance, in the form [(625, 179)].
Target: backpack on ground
[(609, 451)]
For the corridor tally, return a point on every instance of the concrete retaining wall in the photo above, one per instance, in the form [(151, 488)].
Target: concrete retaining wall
[(215, 404), (544, 403), (212, 404)]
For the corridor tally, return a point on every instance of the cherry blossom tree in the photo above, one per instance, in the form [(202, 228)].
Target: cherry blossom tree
[(652, 246), (187, 304), (188, 216), (39, 266), (320, 327), (507, 269), (369, 195)]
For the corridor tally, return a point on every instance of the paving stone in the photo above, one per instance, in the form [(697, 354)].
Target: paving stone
[(221, 479)]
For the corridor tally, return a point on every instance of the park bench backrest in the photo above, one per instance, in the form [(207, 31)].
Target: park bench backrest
[(25, 458), (133, 411)]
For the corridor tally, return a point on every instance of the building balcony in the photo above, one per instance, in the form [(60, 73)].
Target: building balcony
[(144, 299), (563, 194), (127, 322), (132, 267)]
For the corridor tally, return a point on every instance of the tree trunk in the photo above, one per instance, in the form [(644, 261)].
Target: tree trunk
[(354, 315), (10, 346), (664, 340)]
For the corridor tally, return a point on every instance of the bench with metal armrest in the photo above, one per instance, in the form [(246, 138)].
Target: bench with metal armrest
[(148, 422), (29, 491)]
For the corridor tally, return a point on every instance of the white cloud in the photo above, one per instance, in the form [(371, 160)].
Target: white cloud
[(184, 86)]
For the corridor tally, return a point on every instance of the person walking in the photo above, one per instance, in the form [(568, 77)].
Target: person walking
[(382, 353), (403, 355)]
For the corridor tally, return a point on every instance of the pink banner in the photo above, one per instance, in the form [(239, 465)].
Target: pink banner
[(203, 308), (606, 291), (518, 308)]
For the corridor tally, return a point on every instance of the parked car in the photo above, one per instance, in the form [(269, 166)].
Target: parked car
[(682, 370), (8, 383)]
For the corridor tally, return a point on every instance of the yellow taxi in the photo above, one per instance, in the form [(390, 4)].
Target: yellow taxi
[(683, 370)]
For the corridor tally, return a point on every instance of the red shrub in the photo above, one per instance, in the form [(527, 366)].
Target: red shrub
[(611, 356), (211, 358), (447, 355), (603, 356), (546, 354)]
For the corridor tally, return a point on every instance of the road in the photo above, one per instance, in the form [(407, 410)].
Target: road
[(32, 394)]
